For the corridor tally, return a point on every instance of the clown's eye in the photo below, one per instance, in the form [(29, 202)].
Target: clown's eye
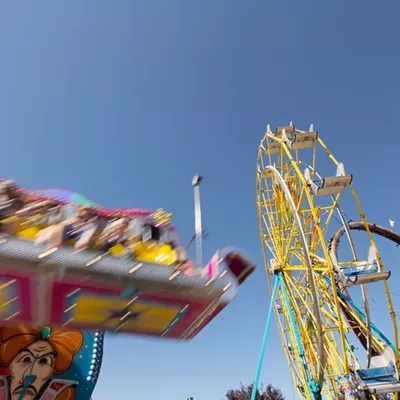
[(26, 359)]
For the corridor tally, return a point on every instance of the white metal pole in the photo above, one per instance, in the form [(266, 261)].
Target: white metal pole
[(197, 214)]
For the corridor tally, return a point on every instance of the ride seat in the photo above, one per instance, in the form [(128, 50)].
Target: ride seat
[(154, 253), (330, 185), (381, 374), (266, 173), (381, 380), (285, 131), (304, 141), (362, 269), (364, 272)]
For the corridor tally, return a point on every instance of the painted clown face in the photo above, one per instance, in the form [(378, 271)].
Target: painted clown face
[(36, 360)]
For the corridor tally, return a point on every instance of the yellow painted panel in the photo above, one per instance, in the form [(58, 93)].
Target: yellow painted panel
[(113, 311), (118, 250), (154, 253), (29, 233)]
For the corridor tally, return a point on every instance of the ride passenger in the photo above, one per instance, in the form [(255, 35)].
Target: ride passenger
[(10, 199), (72, 228), (40, 211), (10, 202), (114, 233), (182, 261), (89, 233)]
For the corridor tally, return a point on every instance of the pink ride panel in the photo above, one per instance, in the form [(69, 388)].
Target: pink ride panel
[(87, 306), (17, 297)]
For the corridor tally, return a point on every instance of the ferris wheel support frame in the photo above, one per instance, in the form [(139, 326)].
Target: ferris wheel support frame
[(363, 288), (278, 284), (282, 212), (264, 342), (392, 312), (374, 229), (324, 248), (320, 343), (309, 271), (355, 257)]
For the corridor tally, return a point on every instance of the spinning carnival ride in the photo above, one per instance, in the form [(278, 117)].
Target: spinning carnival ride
[(310, 281), (71, 270)]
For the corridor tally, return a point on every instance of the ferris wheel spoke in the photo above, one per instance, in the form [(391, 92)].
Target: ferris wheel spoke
[(271, 224), (316, 311), (335, 206)]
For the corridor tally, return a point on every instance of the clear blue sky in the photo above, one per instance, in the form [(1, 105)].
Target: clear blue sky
[(123, 101)]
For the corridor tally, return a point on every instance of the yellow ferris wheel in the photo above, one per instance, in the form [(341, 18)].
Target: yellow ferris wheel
[(308, 280)]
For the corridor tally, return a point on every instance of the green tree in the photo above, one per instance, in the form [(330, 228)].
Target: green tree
[(268, 392)]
